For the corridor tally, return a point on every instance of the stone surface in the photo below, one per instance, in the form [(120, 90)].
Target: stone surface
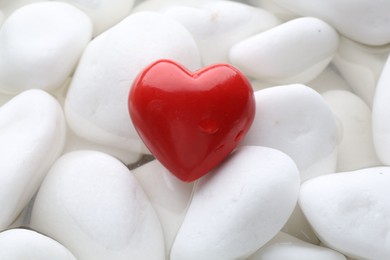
[(284, 246), (218, 25), (93, 211), (361, 65), (91, 203), (168, 195), (283, 13), (32, 136), (158, 5), (356, 149), (365, 21), (239, 207), (297, 121), (41, 53), (17, 244), (96, 102), (103, 13), (9, 7), (296, 51), (380, 115), (350, 211), (1, 17)]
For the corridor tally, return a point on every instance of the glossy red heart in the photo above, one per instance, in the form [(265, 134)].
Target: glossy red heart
[(191, 121)]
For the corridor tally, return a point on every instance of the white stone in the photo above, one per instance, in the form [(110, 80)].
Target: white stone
[(284, 246), (218, 25), (297, 121), (9, 7), (103, 13), (41, 53), (96, 104), (168, 195), (17, 244), (356, 149), (293, 52), (365, 21), (350, 211), (361, 65), (158, 5), (238, 207), (91, 203), (32, 135), (380, 116), (75, 142), (269, 5), (1, 17)]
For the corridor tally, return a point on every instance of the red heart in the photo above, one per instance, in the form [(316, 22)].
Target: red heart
[(191, 121)]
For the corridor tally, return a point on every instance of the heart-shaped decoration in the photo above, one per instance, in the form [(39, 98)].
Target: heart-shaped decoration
[(191, 121)]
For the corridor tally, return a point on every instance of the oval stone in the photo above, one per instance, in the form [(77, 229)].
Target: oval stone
[(297, 121), (96, 102), (350, 211), (41, 53), (238, 207), (17, 244), (92, 204), (295, 51), (32, 136)]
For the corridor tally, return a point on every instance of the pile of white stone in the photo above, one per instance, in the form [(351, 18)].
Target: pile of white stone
[(309, 181)]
